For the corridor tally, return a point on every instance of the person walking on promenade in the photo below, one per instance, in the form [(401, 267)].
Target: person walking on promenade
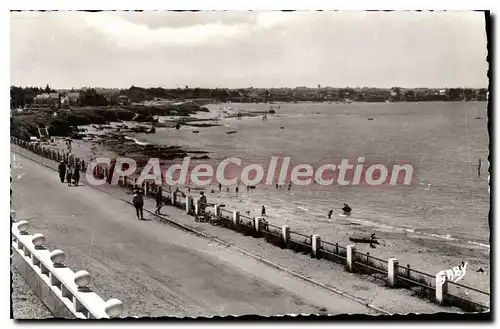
[(237, 189), (203, 202), (289, 186), (62, 171), (159, 200), (69, 175), (76, 175), (263, 212), (110, 173), (138, 204), (479, 168), (220, 187)]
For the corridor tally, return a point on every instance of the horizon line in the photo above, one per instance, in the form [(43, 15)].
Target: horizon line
[(249, 87)]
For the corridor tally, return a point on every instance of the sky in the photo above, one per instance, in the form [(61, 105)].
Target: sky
[(239, 49)]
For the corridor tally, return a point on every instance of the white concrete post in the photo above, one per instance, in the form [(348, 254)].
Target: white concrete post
[(22, 226), (257, 221), (236, 217), (351, 250), (216, 210), (441, 286), (285, 233), (197, 206), (392, 272), (315, 245), (58, 257), (38, 240), (189, 203), (82, 280), (114, 308)]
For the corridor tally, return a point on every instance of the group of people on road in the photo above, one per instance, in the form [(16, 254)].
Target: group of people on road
[(138, 202), (72, 175)]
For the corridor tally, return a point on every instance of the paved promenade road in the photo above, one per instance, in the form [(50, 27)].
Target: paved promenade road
[(157, 269)]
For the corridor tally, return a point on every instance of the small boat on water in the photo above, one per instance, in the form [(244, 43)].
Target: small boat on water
[(231, 132), (363, 238), (195, 131)]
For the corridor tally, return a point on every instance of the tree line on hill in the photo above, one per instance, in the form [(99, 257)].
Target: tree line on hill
[(96, 97)]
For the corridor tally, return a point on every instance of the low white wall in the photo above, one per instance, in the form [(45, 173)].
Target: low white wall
[(65, 293)]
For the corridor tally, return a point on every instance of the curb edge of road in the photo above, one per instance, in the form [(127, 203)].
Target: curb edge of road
[(229, 245)]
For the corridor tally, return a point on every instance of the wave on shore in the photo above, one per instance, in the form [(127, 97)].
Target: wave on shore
[(135, 140), (448, 237)]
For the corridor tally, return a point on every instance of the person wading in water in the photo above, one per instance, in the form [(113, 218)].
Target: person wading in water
[(159, 201), (347, 210), (138, 204), (62, 171)]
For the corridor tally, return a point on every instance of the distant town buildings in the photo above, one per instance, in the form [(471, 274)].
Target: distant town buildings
[(70, 99), (47, 99), (39, 98), (123, 100)]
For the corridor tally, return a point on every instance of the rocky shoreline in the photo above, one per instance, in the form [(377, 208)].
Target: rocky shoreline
[(65, 122)]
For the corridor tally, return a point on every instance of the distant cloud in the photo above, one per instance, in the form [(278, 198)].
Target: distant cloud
[(198, 28), (244, 48), (273, 18), (127, 34)]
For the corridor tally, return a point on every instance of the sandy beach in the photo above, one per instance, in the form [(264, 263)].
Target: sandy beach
[(424, 244)]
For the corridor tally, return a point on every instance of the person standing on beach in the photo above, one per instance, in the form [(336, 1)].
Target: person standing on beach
[(263, 212), (62, 171), (237, 189), (330, 214), (220, 187), (138, 204), (289, 186), (159, 200), (479, 168)]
